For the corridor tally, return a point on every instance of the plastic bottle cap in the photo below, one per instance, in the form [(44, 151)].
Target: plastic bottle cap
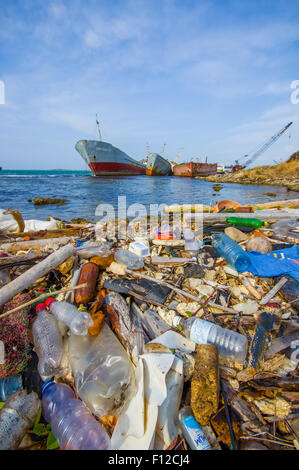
[(39, 306), (49, 301), (46, 385)]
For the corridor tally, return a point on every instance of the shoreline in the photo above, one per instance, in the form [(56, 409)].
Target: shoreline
[(284, 175)]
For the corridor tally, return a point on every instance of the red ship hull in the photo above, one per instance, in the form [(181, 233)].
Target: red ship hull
[(114, 168)]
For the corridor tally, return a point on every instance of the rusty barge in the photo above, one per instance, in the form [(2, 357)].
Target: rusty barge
[(195, 169)]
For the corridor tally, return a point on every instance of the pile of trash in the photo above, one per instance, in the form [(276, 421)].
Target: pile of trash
[(172, 340)]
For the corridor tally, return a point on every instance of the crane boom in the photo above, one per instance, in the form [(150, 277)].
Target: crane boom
[(264, 147)]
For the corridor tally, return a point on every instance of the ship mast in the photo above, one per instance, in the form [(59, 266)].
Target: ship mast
[(98, 125)]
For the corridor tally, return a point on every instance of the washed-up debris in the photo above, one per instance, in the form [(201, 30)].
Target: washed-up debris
[(168, 346)]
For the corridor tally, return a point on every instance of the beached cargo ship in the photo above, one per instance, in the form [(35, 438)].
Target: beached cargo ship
[(157, 165), (195, 169), (106, 160)]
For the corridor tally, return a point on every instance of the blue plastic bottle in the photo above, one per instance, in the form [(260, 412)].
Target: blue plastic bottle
[(72, 424), (9, 385), (228, 249)]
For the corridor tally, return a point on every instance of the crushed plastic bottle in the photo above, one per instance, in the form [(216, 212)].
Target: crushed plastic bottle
[(78, 322), (283, 231), (47, 341), (228, 249), (229, 343), (104, 375), (72, 424), (87, 251), (16, 417), (128, 258), (9, 385), (191, 244), (191, 430)]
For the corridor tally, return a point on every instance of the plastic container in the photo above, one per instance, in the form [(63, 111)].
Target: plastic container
[(228, 249), (9, 385), (47, 341), (229, 343), (245, 221), (140, 248), (78, 322), (72, 424), (191, 244), (128, 258), (191, 430), (104, 375)]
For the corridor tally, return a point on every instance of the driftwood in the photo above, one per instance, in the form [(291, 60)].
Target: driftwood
[(36, 244), (281, 343), (290, 384), (177, 208), (266, 215), (16, 260), (42, 297), (42, 234), (26, 279)]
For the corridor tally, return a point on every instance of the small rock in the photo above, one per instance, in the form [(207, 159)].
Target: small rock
[(235, 234), (231, 271), (261, 244), (248, 308)]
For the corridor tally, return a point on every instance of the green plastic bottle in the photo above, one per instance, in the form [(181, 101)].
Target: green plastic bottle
[(246, 222)]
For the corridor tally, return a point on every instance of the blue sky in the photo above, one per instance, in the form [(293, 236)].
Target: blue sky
[(212, 77)]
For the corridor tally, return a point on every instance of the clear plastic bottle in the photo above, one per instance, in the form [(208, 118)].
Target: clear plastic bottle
[(78, 322), (228, 249), (16, 418), (128, 258), (104, 375), (229, 343), (72, 424), (87, 251), (47, 341), (282, 231), (191, 430), (9, 385)]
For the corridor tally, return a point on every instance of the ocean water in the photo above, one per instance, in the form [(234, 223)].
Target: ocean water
[(85, 192)]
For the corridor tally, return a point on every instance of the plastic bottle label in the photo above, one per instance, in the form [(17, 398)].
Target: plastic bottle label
[(196, 433), (200, 331)]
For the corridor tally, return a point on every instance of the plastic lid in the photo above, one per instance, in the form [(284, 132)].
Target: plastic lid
[(39, 306), (46, 385), (49, 301)]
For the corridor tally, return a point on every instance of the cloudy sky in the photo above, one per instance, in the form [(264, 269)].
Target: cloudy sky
[(213, 77)]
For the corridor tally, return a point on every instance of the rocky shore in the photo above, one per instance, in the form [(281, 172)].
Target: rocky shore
[(284, 174)]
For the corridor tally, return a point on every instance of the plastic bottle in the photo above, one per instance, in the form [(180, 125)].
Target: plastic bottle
[(245, 221), (167, 415), (229, 343), (86, 251), (16, 417), (72, 424), (78, 322), (231, 252), (9, 385), (282, 231), (47, 341), (191, 244), (128, 258), (104, 375), (192, 431)]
